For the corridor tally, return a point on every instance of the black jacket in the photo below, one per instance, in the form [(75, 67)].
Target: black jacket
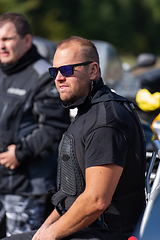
[(31, 116)]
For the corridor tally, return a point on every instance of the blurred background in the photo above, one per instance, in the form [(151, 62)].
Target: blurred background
[(131, 26)]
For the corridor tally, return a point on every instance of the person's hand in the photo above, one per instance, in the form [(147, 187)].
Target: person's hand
[(44, 233), (8, 158)]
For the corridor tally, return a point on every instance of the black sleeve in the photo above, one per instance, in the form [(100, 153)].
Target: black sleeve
[(52, 121), (105, 145)]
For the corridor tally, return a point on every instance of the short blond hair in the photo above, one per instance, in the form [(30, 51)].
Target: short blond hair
[(89, 50)]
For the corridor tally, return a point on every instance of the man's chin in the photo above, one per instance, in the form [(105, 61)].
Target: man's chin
[(68, 100), (6, 62)]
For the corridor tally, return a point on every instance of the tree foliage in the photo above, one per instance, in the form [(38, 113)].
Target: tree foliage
[(131, 26)]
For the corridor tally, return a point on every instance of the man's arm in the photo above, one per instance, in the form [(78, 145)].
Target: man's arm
[(101, 182), (52, 121)]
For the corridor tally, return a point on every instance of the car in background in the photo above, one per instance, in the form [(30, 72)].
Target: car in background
[(126, 81), (45, 47), (110, 63)]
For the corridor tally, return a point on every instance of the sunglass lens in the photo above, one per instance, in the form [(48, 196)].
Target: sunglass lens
[(53, 72), (66, 71)]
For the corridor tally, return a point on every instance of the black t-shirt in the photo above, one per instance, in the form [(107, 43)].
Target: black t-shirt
[(113, 138), (106, 145)]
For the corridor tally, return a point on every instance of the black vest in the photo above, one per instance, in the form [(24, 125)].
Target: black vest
[(71, 175)]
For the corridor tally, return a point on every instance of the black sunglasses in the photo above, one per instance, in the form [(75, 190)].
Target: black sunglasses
[(66, 70)]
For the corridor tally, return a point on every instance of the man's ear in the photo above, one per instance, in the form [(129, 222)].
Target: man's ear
[(28, 41), (94, 71)]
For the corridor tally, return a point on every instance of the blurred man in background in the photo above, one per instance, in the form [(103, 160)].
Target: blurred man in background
[(32, 121)]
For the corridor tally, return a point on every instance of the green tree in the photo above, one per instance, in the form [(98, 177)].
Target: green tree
[(132, 26)]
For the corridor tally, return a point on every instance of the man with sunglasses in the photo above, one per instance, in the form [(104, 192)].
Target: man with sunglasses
[(100, 183), (32, 121)]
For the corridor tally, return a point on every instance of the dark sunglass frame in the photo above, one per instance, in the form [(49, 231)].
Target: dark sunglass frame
[(66, 70)]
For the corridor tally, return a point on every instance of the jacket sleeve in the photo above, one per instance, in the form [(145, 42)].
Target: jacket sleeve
[(51, 121)]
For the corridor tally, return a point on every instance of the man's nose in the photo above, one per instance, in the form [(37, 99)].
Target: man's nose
[(2, 45), (60, 77)]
